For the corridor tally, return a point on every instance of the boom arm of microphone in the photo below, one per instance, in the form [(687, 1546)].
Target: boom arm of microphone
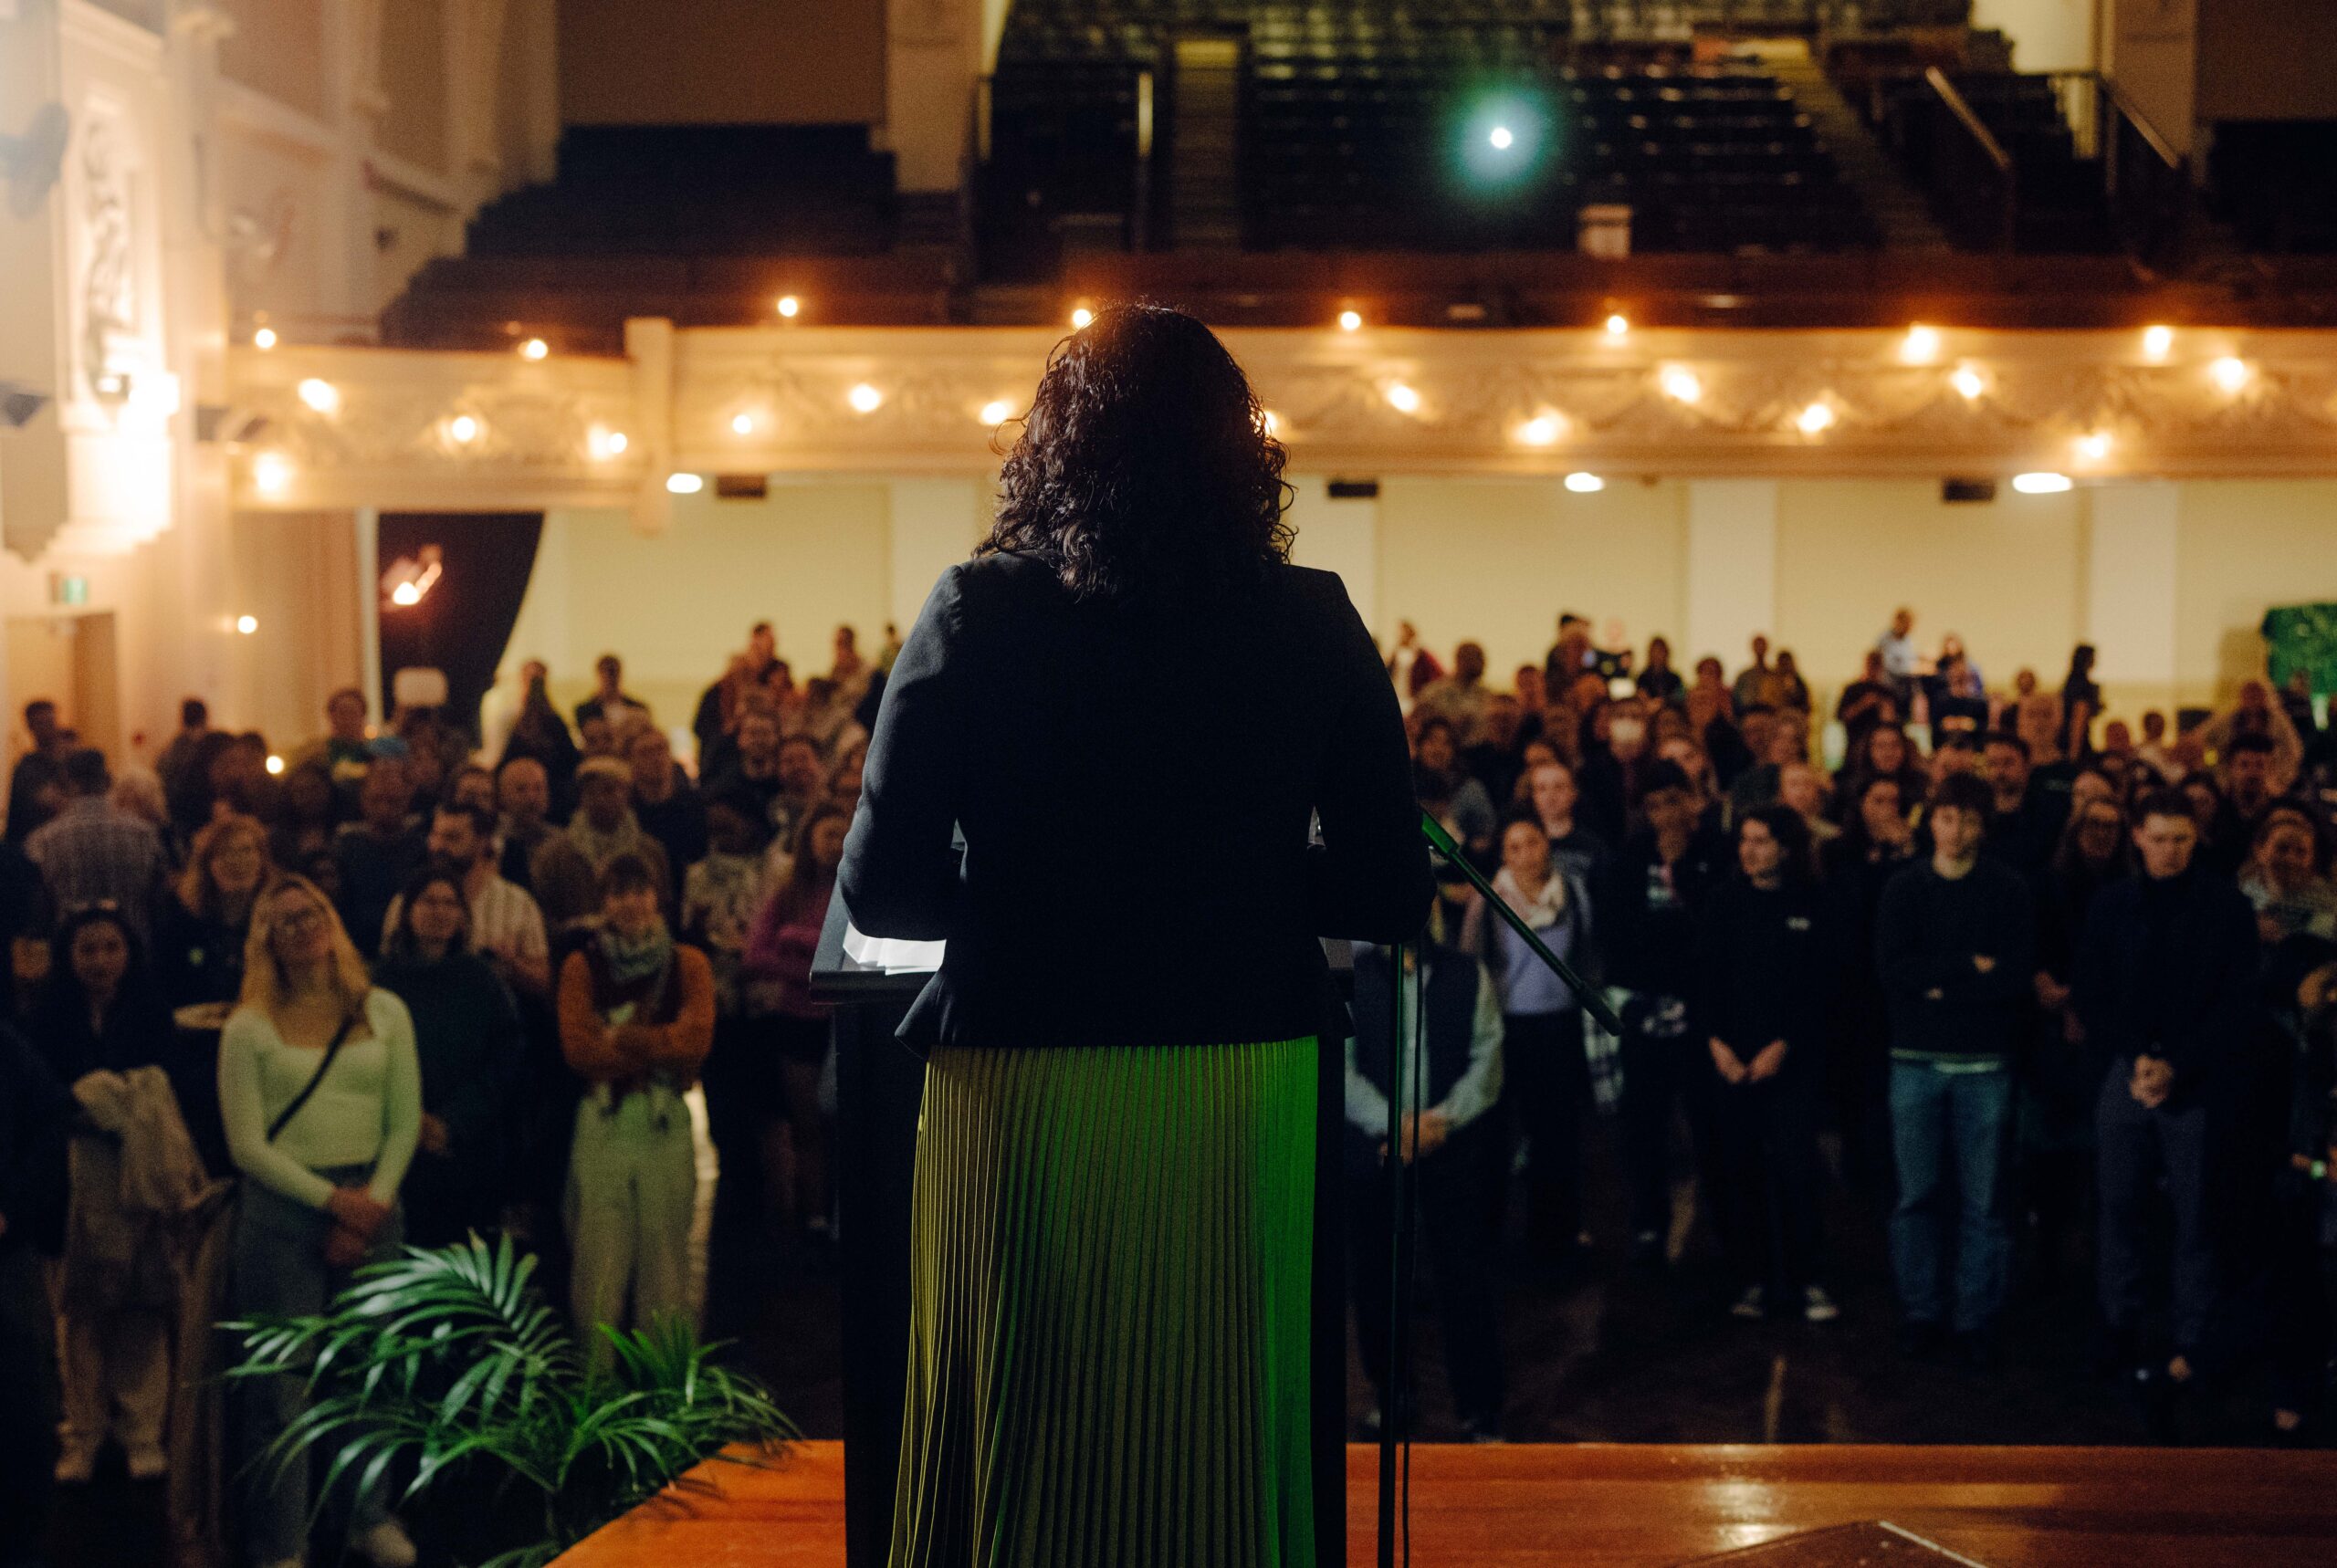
[(1593, 999)]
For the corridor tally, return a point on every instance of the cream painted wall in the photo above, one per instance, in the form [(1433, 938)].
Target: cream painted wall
[(278, 48), (1340, 536), (2242, 547), (1497, 560), (2047, 34), (676, 606), (792, 62), (415, 66), (2005, 575)]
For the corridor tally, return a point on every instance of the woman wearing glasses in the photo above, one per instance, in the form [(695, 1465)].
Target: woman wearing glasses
[(321, 1093)]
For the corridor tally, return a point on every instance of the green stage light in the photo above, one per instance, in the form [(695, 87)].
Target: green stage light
[(1505, 137)]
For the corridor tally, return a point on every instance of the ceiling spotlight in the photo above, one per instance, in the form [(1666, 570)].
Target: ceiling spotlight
[(275, 763), (684, 483), (1500, 138), (1541, 430), (2157, 342), (1682, 384), (320, 396), (464, 428), (1585, 484), (1968, 383), (1403, 399), (742, 425), (1270, 420), (789, 305), (1816, 419), (1618, 324), (410, 578), (1921, 345), (2040, 483), (2230, 372), (1349, 320), (2094, 445), (263, 338), (271, 473), (1080, 317), (246, 624), (606, 443), (864, 398), (997, 410), (534, 349)]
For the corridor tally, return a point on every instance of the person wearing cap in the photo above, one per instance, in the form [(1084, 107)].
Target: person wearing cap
[(572, 862)]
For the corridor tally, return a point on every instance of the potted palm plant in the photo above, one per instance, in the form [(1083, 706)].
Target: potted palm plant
[(447, 1370)]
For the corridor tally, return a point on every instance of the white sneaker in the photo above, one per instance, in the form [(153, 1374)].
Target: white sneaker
[(149, 1463), (75, 1468), (1818, 1307), (1753, 1304), (386, 1545)]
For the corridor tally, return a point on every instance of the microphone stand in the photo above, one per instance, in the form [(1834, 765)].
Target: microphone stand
[(1400, 1192)]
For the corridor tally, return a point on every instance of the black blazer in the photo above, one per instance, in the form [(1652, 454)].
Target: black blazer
[(1137, 867)]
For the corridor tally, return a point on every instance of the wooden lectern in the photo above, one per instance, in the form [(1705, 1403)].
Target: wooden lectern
[(879, 1086)]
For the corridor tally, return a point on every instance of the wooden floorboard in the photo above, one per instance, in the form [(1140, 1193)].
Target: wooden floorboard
[(1642, 1506)]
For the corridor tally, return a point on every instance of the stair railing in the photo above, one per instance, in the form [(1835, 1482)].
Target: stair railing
[(1973, 178)]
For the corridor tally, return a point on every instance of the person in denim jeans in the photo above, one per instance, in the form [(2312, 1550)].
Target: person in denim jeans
[(1955, 943)]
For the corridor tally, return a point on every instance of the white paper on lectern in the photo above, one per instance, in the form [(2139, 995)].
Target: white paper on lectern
[(890, 954)]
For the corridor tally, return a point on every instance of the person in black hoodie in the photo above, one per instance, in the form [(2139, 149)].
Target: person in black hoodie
[(1766, 976), (1877, 841), (2164, 990), (35, 1112), (1955, 943), (1660, 882)]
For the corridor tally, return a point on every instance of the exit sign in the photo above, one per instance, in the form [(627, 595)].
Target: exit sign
[(67, 589)]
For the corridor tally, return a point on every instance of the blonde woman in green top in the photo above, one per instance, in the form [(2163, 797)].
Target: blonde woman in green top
[(321, 1093)]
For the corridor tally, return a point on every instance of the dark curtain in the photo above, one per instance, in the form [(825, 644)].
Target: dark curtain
[(462, 624)]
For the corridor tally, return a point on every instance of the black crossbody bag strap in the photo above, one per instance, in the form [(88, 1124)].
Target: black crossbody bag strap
[(284, 1117)]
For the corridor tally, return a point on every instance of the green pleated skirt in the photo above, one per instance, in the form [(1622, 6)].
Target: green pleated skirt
[(1108, 1332)]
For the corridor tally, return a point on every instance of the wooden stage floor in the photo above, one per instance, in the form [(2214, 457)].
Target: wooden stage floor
[(1643, 1506)]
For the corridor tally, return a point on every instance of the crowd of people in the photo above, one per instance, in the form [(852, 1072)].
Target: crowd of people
[(2045, 985), (275, 1016), (2040, 983)]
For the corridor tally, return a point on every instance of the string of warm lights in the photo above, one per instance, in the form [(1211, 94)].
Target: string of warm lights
[(272, 474)]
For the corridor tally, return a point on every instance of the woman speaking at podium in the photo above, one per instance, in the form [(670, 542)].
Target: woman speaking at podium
[(1129, 704)]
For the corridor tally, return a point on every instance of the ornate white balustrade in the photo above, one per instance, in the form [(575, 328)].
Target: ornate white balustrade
[(484, 431)]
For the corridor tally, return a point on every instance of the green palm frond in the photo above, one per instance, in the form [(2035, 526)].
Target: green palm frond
[(449, 1361)]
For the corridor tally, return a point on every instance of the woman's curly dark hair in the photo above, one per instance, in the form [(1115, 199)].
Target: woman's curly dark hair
[(1145, 464)]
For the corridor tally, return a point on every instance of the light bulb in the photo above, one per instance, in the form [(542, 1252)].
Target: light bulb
[(246, 624), (742, 425), (1349, 320), (1585, 484), (2040, 483), (1968, 383), (864, 398), (1081, 316), (1816, 418), (2157, 342), (2094, 445), (534, 349), (2230, 372), (1541, 430), (1682, 384), (789, 305), (319, 396), (275, 763), (405, 594), (463, 428), (1618, 324), (271, 473), (263, 338), (997, 410), (1403, 399), (1921, 345), (684, 483), (1501, 138)]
